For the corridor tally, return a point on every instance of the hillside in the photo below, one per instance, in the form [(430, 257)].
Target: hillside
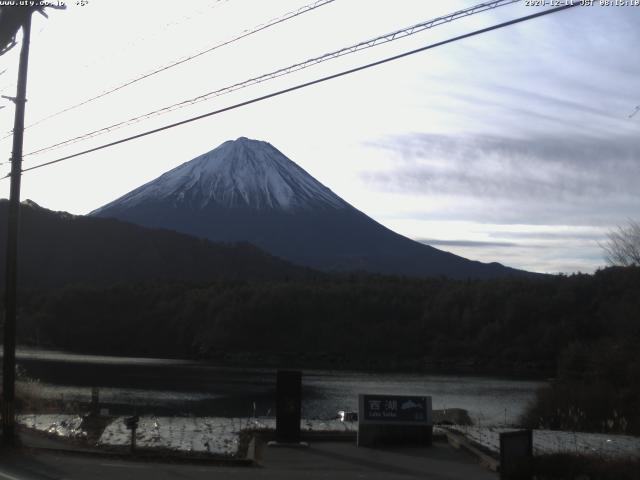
[(57, 248)]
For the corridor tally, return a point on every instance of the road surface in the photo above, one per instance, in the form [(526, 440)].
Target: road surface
[(322, 460)]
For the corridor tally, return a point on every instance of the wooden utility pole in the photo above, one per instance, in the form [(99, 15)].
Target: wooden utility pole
[(9, 355)]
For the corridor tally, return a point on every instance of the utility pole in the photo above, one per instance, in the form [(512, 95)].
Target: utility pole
[(9, 356)]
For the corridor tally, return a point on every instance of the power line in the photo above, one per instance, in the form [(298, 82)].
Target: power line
[(307, 84), (388, 37), (161, 29), (243, 34)]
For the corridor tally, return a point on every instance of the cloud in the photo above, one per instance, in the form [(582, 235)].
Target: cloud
[(465, 243), (538, 179), (563, 236)]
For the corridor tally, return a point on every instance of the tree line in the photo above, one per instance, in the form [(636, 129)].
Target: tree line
[(355, 320), (581, 329)]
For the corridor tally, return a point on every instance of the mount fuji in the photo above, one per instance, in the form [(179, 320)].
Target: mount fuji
[(247, 190)]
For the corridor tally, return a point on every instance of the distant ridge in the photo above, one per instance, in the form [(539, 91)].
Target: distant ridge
[(57, 248), (247, 190)]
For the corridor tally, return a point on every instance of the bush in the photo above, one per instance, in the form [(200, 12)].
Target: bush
[(564, 466), (597, 390)]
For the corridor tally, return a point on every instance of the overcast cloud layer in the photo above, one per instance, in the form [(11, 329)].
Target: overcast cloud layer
[(572, 180)]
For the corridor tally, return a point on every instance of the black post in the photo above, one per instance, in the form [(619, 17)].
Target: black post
[(9, 355), (133, 438), (95, 401), (288, 405), (516, 455)]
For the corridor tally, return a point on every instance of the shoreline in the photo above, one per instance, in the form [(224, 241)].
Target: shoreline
[(322, 362)]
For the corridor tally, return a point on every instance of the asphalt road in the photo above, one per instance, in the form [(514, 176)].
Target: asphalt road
[(322, 460)]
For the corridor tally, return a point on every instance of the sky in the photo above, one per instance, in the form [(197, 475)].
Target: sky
[(514, 146)]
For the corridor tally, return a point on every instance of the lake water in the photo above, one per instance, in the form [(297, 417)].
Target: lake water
[(180, 387)]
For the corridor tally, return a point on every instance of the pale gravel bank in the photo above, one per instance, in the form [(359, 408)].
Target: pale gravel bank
[(221, 436), (552, 441)]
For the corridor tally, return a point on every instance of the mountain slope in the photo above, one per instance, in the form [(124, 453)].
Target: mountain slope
[(57, 248), (241, 174), (246, 190)]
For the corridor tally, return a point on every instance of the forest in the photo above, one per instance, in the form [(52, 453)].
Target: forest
[(581, 329), (353, 320)]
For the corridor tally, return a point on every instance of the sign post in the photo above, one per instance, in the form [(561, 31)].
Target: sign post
[(132, 424), (393, 419)]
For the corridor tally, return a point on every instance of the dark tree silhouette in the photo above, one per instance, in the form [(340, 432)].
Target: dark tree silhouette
[(622, 247), (12, 17)]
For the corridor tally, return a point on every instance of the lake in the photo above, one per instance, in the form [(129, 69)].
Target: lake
[(181, 387)]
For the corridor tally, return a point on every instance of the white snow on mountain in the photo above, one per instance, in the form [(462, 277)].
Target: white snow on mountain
[(241, 173)]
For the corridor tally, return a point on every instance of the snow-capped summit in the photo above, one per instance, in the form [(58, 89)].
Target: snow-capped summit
[(246, 190), (240, 173)]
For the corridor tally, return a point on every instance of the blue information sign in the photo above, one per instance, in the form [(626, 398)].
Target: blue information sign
[(394, 419), (396, 408)]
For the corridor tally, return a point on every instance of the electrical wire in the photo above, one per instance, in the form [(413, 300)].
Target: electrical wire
[(243, 34), (379, 40), (308, 84), (160, 30)]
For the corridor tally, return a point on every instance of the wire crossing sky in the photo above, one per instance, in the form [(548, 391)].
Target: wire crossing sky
[(240, 36), (304, 85), (515, 146), (370, 43)]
